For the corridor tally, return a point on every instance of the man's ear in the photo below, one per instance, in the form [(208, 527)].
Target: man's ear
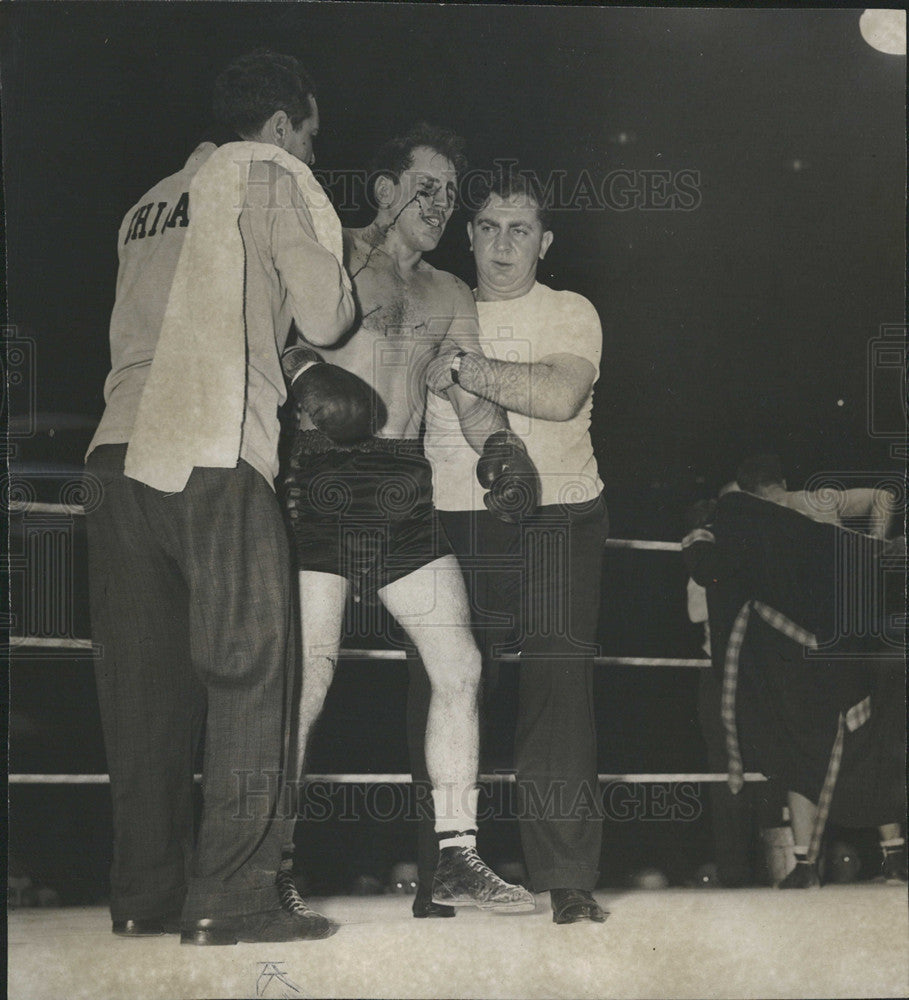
[(384, 190), (470, 235), (276, 129), (546, 243)]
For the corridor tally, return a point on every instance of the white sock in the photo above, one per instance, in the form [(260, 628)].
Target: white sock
[(456, 816)]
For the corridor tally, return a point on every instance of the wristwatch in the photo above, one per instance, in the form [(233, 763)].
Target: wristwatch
[(456, 367)]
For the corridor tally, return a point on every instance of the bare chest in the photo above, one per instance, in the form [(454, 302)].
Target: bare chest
[(396, 308)]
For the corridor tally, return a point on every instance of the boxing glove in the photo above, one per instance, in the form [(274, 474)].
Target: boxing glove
[(506, 471), (339, 403)]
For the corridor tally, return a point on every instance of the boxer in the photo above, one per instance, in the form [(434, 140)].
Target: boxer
[(362, 513)]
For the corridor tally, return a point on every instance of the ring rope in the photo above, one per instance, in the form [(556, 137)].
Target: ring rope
[(17, 643), (71, 510), (76, 645), (390, 779)]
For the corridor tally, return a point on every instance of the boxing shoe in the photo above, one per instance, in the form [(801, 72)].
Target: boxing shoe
[(296, 906), (295, 920), (803, 876), (147, 926), (571, 905), (423, 906), (462, 878)]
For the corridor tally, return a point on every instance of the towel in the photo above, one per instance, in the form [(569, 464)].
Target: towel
[(191, 411)]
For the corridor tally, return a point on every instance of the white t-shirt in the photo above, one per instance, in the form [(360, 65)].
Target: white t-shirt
[(526, 329)]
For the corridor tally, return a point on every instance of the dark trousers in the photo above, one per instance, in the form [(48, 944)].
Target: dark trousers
[(735, 818), (190, 605), (538, 581)]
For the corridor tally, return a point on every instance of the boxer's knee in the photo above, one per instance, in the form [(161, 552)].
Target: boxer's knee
[(454, 670)]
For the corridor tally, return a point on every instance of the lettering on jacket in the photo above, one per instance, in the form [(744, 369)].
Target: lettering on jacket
[(154, 218)]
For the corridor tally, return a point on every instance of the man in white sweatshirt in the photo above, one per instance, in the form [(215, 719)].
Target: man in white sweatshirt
[(541, 356)]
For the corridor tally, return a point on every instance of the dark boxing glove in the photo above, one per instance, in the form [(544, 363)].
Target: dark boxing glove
[(505, 469), (339, 403)]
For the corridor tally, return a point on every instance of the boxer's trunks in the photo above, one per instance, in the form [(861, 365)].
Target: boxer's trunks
[(364, 511)]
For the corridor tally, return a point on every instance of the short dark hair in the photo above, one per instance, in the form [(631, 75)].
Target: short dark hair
[(396, 155), (512, 182), (258, 84), (699, 514), (759, 470)]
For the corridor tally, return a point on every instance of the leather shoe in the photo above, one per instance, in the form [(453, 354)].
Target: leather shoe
[(271, 926), (147, 926), (571, 905), (423, 906)]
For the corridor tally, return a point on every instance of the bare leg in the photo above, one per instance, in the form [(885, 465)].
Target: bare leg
[(322, 599), (431, 605), (802, 813), (893, 854)]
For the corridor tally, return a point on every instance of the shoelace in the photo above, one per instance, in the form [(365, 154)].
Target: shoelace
[(289, 895), (475, 862)]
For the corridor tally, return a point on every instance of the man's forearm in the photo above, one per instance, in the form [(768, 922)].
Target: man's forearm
[(534, 390), (479, 417), (877, 506)]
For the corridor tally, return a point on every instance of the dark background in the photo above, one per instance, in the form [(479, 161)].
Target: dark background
[(748, 323), (734, 326)]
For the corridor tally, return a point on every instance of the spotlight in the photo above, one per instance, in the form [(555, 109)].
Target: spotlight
[(884, 30)]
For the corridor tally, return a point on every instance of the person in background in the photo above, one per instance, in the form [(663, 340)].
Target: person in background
[(810, 692), (762, 805)]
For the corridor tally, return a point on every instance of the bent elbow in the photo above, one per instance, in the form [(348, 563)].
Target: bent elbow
[(574, 407), (566, 408), (329, 329), (345, 315)]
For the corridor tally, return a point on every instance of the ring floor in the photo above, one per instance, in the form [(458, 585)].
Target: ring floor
[(839, 941)]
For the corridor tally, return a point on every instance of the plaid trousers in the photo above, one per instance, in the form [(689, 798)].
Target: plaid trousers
[(850, 720)]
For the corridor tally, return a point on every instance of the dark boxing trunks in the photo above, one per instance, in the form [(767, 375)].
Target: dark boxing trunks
[(364, 511)]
